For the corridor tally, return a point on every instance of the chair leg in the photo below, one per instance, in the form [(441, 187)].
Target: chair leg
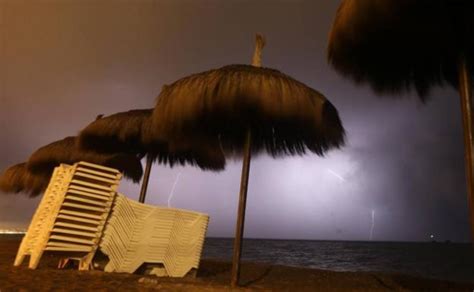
[(85, 264), (62, 263), (34, 260), (19, 259)]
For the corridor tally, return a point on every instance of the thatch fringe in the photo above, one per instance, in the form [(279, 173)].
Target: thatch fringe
[(46, 158), (130, 132), (17, 179), (399, 45), (183, 150), (284, 115)]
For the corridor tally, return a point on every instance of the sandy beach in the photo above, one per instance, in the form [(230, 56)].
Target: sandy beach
[(213, 275)]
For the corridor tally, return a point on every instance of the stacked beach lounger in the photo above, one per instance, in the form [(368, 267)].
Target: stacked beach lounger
[(72, 214), (138, 233), (81, 212)]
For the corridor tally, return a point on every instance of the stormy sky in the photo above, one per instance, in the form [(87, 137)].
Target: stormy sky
[(64, 62)]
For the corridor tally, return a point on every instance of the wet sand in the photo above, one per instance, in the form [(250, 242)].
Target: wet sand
[(213, 275)]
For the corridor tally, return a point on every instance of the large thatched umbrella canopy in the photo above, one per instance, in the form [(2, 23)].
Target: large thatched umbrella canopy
[(247, 109), (130, 132), (18, 179), (46, 158), (397, 45), (284, 115)]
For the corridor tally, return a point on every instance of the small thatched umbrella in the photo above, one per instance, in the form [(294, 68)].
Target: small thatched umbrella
[(46, 158), (120, 132), (397, 45), (248, 109), (129, 132), (18, 179)]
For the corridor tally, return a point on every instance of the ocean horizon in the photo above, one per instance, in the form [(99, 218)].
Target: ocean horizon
[(4, 232)]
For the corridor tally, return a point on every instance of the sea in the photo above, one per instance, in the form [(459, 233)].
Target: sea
[(442, 261)]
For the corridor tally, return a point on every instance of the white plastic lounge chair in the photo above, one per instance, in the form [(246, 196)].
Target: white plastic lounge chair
[(72, 213), (138, 233), (81, 212)]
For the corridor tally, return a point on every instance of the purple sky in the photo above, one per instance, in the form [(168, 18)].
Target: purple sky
[(64, 62)]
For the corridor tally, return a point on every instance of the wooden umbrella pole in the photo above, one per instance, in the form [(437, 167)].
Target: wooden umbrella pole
[(239, 229), (466, 107), (146, 177)]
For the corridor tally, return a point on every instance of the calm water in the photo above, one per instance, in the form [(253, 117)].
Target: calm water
[(453, 261), (448, 261)]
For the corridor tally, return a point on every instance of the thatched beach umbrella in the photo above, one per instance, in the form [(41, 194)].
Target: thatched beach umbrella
[(129, 132), (399, 45), (18, 179), (248, 109), (46, 158), (120, 132)]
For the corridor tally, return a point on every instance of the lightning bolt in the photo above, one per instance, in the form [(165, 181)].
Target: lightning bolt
[(172, 189), (336, 175), (373, 225)]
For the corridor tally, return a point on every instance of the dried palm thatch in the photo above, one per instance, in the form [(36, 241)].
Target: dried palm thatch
[(17, 179), (219, 106), (46, 158), (129, 132), (183, 150), (397, 45), (120, 132)]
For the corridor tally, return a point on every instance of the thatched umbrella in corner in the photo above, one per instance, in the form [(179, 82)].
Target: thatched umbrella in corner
[(129, 132), (248, 109), (46, 158), (399, 45), (18, 179)]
